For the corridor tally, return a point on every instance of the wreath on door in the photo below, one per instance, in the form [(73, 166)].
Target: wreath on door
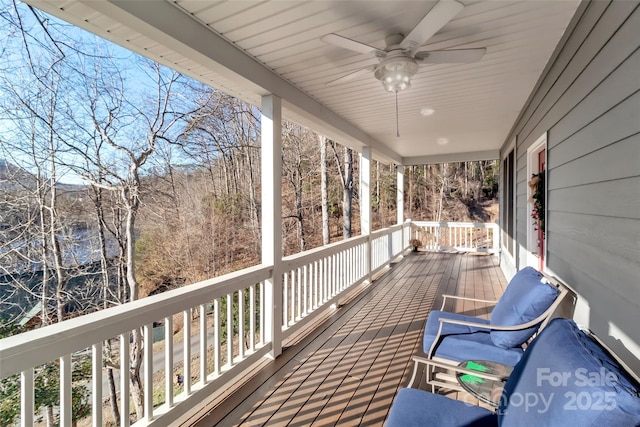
[(536, 186)]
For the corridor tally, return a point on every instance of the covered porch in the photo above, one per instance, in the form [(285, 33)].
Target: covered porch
[(347, 371), (318, 340)]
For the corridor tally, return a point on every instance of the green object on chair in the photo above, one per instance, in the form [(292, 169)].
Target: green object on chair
[(476, 366), (472, 378)]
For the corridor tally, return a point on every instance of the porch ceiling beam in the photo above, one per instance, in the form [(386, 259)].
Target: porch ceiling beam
[(452, 157), (176, 30)]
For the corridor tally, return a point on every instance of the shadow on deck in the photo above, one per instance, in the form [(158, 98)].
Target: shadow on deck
[(348, 370)]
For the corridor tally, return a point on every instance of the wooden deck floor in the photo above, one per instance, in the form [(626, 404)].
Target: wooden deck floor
[(348, 371)]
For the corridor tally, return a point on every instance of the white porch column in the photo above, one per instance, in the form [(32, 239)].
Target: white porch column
[(400, 202), (365, 203), (400, 193), (271, 163)]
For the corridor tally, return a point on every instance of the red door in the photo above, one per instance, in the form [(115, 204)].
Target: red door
[(542, 160)]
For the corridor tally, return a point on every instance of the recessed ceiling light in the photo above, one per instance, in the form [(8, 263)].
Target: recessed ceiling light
[(442, 141), (426, 111)]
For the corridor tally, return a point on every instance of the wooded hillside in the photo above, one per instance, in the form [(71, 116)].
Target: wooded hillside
[(205, 221)]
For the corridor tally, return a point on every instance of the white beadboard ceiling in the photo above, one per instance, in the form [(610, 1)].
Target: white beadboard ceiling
[(253, 48)]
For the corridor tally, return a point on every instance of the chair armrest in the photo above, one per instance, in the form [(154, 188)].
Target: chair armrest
[(458, 368), (493, 327), (445, 296)]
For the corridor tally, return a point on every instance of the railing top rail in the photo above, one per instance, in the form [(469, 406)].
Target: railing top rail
[(303, 258), (320, 252), (385, 231), (456, 224), (42, 345)]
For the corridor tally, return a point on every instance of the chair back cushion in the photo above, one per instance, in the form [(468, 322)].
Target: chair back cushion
[(566, 378), (460, 342), (526, 297)]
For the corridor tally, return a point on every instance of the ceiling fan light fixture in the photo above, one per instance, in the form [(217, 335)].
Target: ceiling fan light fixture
[(399, 60), (395, 73)]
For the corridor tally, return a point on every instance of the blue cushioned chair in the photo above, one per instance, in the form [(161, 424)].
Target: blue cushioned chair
[(564, 378), (526, 305)]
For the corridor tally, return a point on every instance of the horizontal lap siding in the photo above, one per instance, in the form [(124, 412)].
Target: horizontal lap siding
[(589, 103)]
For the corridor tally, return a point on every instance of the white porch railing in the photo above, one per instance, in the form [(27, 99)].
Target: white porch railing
[(214, 304), (459, 236), (317, 278), (230, 316), (385, 245)]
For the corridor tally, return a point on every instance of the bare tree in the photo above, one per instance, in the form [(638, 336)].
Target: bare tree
[(34, 84), (36, 100), (298, 151), (324, 189), (223, 140), (346, 179), (146, 128)]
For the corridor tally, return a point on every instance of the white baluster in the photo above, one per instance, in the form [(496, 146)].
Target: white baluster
[(203, 344), (186, 351), (124, 380), (305, 296), (168, 361), (148, 372), (66, 415), (230, 330), (252, 318), (285, 300), (241, 323), (96, 385), (217, 342), (26, 398), (262, 313), (298, 294)]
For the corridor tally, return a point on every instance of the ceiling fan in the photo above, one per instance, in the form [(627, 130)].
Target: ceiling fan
[(400, 60)]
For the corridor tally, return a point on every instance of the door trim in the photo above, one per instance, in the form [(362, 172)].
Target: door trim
[(533, 152)]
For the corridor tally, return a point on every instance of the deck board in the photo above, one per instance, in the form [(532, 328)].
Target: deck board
[(349, 370)]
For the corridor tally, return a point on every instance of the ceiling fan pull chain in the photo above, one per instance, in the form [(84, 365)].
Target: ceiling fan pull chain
[(397, 121)]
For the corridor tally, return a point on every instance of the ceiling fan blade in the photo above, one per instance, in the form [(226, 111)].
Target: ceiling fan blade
[(453, 56), (351, 75), (347, 43), (437, 18)]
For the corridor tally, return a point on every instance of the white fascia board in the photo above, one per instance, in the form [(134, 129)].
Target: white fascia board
[(470, 156)]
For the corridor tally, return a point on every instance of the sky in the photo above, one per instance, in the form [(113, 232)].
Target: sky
[(14, 72)]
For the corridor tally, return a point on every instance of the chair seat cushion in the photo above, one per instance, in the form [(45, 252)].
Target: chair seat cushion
[(527, 296), (416, 408), (566, 375), (462, 343)]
